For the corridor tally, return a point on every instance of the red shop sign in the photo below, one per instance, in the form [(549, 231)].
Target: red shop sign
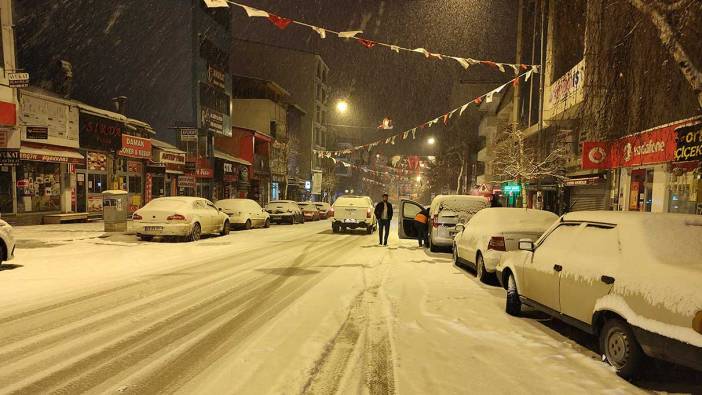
[(203, 169), (135, 147)]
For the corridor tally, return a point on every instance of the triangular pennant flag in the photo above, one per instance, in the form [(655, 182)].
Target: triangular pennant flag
[(515, 82), (422, 51), (500, 88), (446, 116), (437, 55), (515, 68), (349, 34), (279, 21), (501, 67), (478, 100), (463, 108), (523, 66), (527, 76), (387, 141), (393, 140), (450, 114), (216, 3), (535, 69), (414, 133), (322, 32), (366, 43), (405, 134), (464, 63), (395, 48), (488, 97), (253, 12)]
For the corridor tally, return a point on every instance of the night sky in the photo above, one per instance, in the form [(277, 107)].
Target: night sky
[(378, 82)]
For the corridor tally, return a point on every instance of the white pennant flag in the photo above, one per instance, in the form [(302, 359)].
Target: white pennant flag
[(405, 134), (216, 3), (535, 69), (387, 141), (450, 114), (501, 67), (488, 97), (252, 12), (349, 34), (393, 140), (528, 75), (463, 62), (395, 48), (322, 32), (414, 133), (422, 51), (463, 108)]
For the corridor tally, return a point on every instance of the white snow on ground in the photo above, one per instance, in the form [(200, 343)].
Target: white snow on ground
[(354, 318)]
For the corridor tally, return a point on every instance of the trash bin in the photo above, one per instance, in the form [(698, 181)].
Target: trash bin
[(114, 210)]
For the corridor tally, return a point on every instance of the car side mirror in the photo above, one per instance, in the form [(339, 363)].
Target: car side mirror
[(460, 227), (526, 245), (220, 209)]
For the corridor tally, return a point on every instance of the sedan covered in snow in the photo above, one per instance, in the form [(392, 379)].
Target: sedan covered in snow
[(285, 211), (633, 279), (7, 242), (244, 213), (181, 216), (491, 232), (324, 209), (309, 211)]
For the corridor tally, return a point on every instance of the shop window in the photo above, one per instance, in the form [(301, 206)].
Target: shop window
[(97, 183), (38, 187)]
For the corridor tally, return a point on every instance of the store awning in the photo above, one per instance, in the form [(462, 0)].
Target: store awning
[(230, 158), (162, 145), (50, 153)]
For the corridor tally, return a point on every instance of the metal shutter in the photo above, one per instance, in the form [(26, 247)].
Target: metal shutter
[(589, 197)]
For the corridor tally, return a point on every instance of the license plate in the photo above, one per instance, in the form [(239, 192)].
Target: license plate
[(153, 228), (349, 220)]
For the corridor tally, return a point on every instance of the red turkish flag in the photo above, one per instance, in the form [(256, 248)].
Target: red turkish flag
[(366, 43), (478, 100), (279, 22)]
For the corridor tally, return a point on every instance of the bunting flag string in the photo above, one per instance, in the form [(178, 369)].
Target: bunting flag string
[(488, 97), (391, 172), (283, 22)]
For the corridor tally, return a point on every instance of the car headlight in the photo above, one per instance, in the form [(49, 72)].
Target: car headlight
[(697, 322)]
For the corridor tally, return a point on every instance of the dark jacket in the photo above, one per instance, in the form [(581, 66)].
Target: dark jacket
[(379, 210)]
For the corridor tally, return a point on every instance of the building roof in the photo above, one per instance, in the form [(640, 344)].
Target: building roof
[(226, 156), (165, 146)]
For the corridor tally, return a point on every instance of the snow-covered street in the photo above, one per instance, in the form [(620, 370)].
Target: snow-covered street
[(290, 309)]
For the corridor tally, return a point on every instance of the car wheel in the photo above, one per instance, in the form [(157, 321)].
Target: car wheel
[(195, 232), (480, 272), (432, 247), (267, 224), (335, 228), (456, 258), (247, 225), (145, 237), (619, 346), (225, 229), (513, 305)]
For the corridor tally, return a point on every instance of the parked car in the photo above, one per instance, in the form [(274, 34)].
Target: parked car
[(491, 232), (324, 209), (309, 211), (285, 211), (353, 212), (7, 242), (244, 213), (181, 216), (444, 213), (633, 279)]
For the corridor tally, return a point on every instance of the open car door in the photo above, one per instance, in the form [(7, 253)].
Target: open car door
[(408, 210)]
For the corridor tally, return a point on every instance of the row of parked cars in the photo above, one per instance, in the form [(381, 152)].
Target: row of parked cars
[(632, 279), (188, 218)]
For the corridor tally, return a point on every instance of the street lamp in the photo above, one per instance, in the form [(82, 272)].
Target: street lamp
[(431, 141), (342, 106), (419, 178)]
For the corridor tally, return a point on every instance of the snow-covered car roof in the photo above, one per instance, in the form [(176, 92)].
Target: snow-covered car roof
[(514, 219)]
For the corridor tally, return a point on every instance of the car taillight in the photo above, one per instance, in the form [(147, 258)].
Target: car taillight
[(331, 212), (176, 217), (435, 221), (368, 213), (137, 217), (497, 243), (697, 322)]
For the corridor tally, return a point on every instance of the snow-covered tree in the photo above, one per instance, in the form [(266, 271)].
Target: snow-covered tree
[(517, 161)]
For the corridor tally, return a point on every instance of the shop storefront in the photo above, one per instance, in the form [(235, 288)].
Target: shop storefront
[(168, 163), (9, 156), (587, 192), (131, 163), (228, 170)]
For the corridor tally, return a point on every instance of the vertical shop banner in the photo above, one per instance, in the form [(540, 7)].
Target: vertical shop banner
[(148, 188)]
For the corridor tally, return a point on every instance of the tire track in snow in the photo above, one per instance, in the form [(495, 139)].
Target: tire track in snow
[(363, 339), (97, 367)]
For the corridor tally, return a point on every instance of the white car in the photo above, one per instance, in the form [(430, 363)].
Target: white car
[(632, 279), (444, 213), (285, 211), (353, 212), (180, 216), (7, 242), (244, 213), (324, 209), (491, 232)]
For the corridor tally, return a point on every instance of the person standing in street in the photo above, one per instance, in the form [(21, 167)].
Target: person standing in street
[(383, 212), (420, 225)]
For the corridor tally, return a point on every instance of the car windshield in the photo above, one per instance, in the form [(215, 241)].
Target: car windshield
[(281, 205)]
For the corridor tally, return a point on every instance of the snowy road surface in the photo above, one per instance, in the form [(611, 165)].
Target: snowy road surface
[(291, 309)]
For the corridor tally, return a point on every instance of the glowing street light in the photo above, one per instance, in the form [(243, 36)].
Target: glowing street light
[(431, 141), (419, 178), (342, 106)]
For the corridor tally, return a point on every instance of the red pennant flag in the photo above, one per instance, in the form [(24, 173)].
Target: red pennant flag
[(489, 63), (515, 82), (279, 22), (523, 66), (366, 43), (478, 100), (445, 119)]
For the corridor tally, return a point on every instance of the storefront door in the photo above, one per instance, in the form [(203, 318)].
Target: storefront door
[(81, 191), (641, 190)]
